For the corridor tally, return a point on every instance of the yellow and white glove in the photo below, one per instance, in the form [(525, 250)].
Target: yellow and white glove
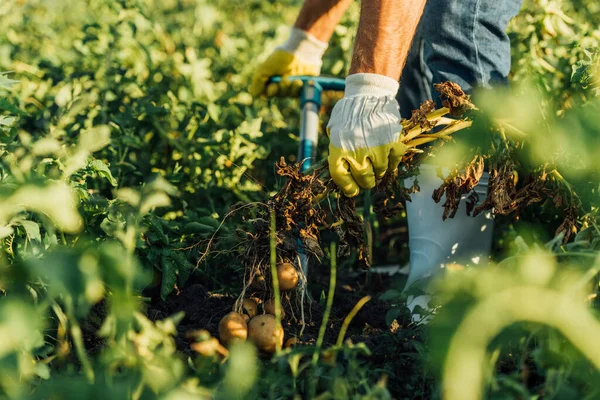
[(300, 55), (364, 132)]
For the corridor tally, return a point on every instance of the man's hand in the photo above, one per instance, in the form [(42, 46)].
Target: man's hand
[(364, 132), (364, 128), (300, 55)]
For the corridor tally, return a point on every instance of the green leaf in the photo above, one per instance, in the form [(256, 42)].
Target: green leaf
[(160, 184), (6, 231), (57, 201), (392, 314), (169, 276), (155, 234), (154, 257), (210, 221), (46, 146), (102, 169), (391, 294), (154, 200), (113, 224), (198, 228), (185, 267), (241, 372), (32, 229), (6, 121), (94, 139), (213, 112), (42, 370), (129, 196), (7, 106), (5, 81)]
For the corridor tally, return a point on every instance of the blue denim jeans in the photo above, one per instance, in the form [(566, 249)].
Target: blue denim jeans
[(462, 41)]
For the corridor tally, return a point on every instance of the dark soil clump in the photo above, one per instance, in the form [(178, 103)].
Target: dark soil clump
[(203, 310)]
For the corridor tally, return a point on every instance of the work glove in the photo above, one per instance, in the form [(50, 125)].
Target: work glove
[(300, 55), (364, 132)]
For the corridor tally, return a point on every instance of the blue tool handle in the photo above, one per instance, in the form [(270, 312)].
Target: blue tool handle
[(326, 82), (310, 99)]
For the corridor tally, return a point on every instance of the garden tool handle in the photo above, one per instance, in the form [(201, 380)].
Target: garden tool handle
[(310, 101), (325, 82)]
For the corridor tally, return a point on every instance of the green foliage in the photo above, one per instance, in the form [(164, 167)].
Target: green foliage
[(549, 38), (126, 137), (586, 72)]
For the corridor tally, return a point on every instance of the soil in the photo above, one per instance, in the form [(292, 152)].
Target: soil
[(204, 310), (394, 348)]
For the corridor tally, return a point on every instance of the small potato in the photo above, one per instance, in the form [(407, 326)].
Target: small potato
[(269, 308), (291, 342), (249, 307), (233, 328), (265, 333), (287, 275), (259, 283)]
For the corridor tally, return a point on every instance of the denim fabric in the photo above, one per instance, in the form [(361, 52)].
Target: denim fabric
[(463, 41)]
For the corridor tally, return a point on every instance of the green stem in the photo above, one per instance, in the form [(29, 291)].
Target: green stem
[(77, 337), (588, 276), (323, 327), (349, 317), (468, 346), (368, 224), (328, 306), (274, 277)]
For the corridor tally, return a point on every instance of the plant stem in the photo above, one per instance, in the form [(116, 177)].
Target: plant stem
[(469, 345), (328, 306), (349, 318), (274, 277), (323, 327), (368, 223), (77, 337)]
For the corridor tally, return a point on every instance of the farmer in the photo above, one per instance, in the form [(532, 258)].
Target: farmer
[(402, 48)]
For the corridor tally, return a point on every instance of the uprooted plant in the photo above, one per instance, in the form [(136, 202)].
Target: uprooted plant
[(309, 209)]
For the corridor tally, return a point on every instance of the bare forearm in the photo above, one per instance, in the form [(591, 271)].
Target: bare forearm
[(319, 17), (384, 36)]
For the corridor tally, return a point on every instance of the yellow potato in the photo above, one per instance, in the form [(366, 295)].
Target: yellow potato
[(259, 283), (265, 333), (269, 308), (249, 307), (287, 275), (291, 342), (233, 328)]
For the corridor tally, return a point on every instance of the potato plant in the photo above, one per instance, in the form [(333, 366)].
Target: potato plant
[(128, 140)]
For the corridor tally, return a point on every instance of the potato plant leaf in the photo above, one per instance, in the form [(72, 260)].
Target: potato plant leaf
[(8, 106), (102, 169), (169, 276)]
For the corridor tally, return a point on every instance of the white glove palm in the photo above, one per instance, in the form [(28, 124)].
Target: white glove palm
[(364, 132)]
